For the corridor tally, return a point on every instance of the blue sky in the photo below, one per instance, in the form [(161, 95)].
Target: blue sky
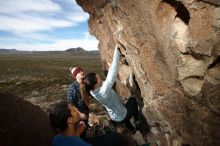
[(44, 25)]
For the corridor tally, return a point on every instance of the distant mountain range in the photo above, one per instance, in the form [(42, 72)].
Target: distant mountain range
[(80, 51), (77, 50), (7, 50)]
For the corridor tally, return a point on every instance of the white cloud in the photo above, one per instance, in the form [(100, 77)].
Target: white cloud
[(88, 43), (26, 16), (27, 24), (18, 6), (78, 16), (31, 19)]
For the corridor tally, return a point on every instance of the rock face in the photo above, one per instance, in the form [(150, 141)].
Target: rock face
[(22, 123), (172, 52)]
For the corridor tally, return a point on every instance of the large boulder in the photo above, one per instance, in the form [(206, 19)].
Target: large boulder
[(22, 123), (172, 51)]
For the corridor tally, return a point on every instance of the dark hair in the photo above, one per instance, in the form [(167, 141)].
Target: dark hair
[(58, 116), (90, 81)]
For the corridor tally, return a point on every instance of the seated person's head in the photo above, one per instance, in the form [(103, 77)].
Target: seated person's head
[(93, 81), (63, 116)]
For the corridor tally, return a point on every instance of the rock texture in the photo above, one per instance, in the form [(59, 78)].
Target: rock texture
[(172, 52), (22, 123)]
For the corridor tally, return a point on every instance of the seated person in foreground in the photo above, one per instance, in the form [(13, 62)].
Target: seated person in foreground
[(69, 122)]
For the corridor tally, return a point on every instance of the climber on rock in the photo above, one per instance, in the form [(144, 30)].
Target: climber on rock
[(103, 92)]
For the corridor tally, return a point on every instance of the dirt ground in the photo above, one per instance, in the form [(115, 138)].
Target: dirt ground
[(22, 123)]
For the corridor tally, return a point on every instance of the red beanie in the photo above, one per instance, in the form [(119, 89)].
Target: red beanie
[(75, 70)]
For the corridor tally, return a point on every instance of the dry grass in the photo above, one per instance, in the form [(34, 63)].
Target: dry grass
[(23, 73)]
